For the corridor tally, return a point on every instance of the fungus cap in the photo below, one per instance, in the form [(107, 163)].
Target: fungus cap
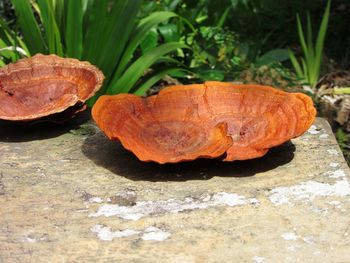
[(43, 85), (207, 120)]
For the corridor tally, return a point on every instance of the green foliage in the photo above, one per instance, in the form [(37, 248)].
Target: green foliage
[(309, 68), (107, 33), (344, 142), (217, 53), (30, 29), (274, 75), (220, 54)]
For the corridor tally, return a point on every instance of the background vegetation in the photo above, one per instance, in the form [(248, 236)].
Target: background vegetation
[(226, 37), (137, 43)]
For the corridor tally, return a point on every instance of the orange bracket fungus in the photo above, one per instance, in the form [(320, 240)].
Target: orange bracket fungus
[(207, 120), (46, 85)]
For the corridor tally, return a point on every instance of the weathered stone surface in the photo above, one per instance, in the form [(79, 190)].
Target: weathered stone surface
[(75, 196)]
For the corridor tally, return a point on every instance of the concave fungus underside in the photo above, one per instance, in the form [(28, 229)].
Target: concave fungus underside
[(44, 85)]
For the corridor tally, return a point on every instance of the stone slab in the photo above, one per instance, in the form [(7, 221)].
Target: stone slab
[(70, 195)]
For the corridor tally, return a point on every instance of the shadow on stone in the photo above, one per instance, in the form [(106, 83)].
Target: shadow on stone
[(23, 132), (112, 156)]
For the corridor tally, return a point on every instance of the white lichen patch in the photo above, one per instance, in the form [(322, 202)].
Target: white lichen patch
[(258, 259), (105, 233), (95, 199), (151, 233), (146, 208), (291, 248), (324, 136), (313, 130), (307, 191), (333, 152), (32, 237), (155, 234), (30, 240), (289, 236), (336, 204), (334, 165), (309, 240), (336, 174)]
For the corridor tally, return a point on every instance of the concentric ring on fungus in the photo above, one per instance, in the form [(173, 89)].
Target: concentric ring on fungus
[(207, 120), (44, 85)]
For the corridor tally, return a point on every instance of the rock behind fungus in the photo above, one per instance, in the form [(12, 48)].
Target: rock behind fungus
[(46, 85), (207, 120)]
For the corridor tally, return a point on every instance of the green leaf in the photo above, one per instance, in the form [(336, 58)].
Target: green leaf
[(173, 4), (95, 20), (6, 34), (305, 70), (169, 32), (211, 74), (12, 52), (154, 79), (309, 34), (51, 30), (60, 12), (87, 10), (140, 33), (310, 45), (150, 41), (296, 64), (320, 41), (110, 37), (312, 54), (223, 17), (273, 56), (170, 60), (29, 27), (301, 37), (74, 29), (9, 38), (137, 69)]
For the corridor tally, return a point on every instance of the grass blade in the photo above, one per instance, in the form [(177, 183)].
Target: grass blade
[(59, 10), (154, 79), (6, 33), (140, 33), (96, 14), (170, 32), (321, 39), (296, 64), (301, 37), (87, 9), (306, 70), (115, 41), (150, 41), (30, 29), (51, 30), (74, 29), (107, 41), (137, 69), (272, 56), (223, 18), (309, 34), (11, 39)]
